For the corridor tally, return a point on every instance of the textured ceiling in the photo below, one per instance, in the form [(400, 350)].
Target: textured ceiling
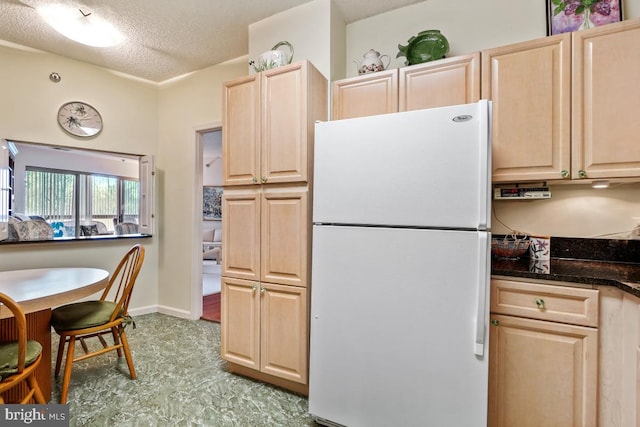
[(165, 38)]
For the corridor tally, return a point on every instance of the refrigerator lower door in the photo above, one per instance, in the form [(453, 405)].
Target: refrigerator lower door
[(394, 327)]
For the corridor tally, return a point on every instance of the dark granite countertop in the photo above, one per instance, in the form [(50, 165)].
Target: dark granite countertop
[(587, 261)]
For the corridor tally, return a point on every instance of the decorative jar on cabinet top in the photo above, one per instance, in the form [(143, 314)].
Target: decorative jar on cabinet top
[(372, 62)]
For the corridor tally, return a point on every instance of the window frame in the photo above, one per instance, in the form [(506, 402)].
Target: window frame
[(146, 186)]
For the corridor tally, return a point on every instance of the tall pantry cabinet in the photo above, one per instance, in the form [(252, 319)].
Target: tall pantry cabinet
[(267, 145)]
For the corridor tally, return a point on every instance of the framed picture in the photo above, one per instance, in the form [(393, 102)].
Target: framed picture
[(564, 16), (212, 203)]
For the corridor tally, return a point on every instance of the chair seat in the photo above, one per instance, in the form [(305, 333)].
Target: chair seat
[(9, 356), (82, 315)]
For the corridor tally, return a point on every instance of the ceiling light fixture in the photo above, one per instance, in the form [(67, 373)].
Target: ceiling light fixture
[(600, 184), (80, 26)]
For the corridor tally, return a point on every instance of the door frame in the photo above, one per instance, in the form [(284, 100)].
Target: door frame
[(196, 243)]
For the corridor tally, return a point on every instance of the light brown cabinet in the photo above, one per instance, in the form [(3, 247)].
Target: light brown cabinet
[(265, 235), (267, 122), (557, 105), (448, 81), (265, 329), (529, 85), (543, 355), (267, 151), (606, 101), (619, 370)]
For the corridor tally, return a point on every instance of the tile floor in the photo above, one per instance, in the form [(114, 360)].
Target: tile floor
[(181, 381)]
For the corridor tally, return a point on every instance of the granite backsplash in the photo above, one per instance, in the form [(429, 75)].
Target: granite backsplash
[(610, 250), (580, 260)]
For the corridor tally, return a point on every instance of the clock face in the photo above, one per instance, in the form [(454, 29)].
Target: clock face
[(80, 119)]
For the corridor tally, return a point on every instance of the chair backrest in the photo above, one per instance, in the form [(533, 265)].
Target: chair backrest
[(122, 280), (21, 326)]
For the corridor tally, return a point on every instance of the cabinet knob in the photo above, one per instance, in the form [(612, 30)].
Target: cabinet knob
[(262, 290), (495, 322), (582, 174), (540, 303), (263, 179), (254, 287), (255, 180), (565, 173)]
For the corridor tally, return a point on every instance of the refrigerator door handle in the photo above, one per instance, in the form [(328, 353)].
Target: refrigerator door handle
[(484, 265)]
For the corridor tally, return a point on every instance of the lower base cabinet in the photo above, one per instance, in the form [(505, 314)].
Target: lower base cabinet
[(541, 373), (265, 328), (543, 355)]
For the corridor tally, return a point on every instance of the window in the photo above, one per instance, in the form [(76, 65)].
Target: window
[(76, 192), (69, 200)]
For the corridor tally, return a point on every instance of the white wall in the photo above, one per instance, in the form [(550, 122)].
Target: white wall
[(573, 211), (469, 26), (306, 27), (212, 156), (28, 110), (212, 174), (185, 105)]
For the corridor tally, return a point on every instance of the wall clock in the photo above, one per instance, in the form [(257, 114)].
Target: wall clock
[(80, 119)]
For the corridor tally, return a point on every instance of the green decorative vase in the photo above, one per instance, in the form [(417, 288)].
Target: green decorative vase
[(426, 46)]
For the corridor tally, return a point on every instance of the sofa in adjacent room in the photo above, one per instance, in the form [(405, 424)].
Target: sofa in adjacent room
[(212, 245)]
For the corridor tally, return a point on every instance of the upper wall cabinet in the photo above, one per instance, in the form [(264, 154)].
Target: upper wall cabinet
[(564, 107), (268, 121), (448, 81), (606, 101), (529, 84)]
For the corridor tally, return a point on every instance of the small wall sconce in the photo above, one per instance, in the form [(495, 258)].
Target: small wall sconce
[(600, 184)]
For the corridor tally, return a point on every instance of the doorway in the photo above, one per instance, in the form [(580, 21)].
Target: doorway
[(211, 143)]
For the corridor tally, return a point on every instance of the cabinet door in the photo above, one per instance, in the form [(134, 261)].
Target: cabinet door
[(529, 84), (366, 95), (450, 81), (284, 237), (241, 131), (542, 373), (241, 234), (240, 322), (284, 119), (606, 101), (284, 332)]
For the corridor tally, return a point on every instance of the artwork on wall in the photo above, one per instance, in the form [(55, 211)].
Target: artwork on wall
[(564, 16), (212, 203)]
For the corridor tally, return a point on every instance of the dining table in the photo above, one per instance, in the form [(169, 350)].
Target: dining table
[(38, 291)]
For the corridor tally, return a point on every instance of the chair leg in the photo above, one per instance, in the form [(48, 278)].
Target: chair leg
[(116, 340), (61, 344), (127, 353), (37, 393), (66, 379)]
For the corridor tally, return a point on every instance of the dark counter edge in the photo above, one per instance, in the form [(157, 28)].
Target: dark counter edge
[(609, 262), (99, 238)]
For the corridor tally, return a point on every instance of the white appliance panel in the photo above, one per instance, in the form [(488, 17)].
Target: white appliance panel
[(417, 168), (395, 318)]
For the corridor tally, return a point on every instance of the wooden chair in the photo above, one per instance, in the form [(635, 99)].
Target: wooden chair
[(93, 319), (19, 359)]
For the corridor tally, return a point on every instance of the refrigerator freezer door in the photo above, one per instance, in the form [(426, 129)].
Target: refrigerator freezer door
[(393, 327), (425, 168)]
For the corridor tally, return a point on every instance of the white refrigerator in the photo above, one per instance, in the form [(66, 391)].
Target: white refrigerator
[(400, 269)]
